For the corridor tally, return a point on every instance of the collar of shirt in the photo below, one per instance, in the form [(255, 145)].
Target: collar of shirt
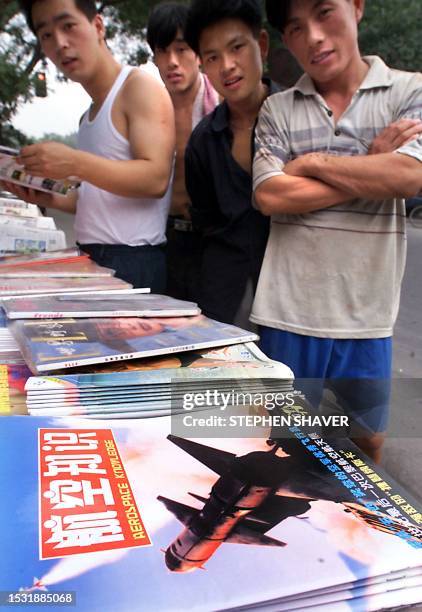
[(221, 118), (378, 75)]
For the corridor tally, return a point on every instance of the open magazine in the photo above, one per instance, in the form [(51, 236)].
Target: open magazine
[(13, 172), (134, 518)]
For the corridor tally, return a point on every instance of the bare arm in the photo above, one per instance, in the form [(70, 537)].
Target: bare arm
[(303, 194), (296, 194), (374, 177), (150, 125)]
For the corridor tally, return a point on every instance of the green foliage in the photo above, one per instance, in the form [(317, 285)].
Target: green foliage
[(392, 29), (68, 139)]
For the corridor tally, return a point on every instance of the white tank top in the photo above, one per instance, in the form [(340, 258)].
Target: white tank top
[(105, 218)]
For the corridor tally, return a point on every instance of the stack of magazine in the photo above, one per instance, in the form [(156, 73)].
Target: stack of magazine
[(162, 386), (13, 286), (13, 377), (24, 229), (99, 305), (9, 350), (191, 509), (43, 273), (129, 516)]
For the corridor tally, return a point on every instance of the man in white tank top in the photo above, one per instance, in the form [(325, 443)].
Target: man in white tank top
[(126, 145), (193, 97)]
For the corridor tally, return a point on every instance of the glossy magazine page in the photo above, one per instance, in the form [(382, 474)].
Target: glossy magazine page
[(71, 269), (24, 286), (137, 305), (13, 172), (62, 343), (131, 517)]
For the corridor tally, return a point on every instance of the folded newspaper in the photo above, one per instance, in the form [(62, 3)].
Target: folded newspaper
[(18, 208), (13, 172)]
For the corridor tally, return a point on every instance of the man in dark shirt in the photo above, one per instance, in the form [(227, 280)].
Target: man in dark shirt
[(232, 45), (193, 97)]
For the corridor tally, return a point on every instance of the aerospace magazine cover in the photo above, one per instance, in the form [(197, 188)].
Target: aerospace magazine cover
[(114, 517)]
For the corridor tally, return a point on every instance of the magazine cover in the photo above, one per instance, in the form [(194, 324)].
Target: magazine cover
[(54, 344), (137, 305), (19, 208), (162, 389), (21, 239), (196, 366), (13, 172), (12, 222), (58, 256), (22, 286), (12, 388), (247, 351), (119, 518), (72, 269)]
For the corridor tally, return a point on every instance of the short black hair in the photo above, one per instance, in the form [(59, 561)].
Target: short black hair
[(278, 13), (164, 22), (87, 7), (204, 13)]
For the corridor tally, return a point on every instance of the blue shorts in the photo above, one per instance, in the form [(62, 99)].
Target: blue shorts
[(358, 371)]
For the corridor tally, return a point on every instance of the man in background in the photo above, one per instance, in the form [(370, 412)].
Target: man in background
[(193, 97), (228, 36)]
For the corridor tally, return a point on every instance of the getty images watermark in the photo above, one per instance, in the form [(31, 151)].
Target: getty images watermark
[(233, 409)]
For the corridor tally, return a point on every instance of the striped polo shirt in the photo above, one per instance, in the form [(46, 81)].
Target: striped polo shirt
[(334, 272)]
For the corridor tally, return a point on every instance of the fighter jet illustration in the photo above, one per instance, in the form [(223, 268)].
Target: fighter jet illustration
[(37, 586), (254, 493)]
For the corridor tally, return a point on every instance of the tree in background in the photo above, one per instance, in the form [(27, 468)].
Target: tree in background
[(391, 28), (68, 139), (20, 55)]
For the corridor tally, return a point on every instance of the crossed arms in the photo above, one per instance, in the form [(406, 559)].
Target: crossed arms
[(317, 180)]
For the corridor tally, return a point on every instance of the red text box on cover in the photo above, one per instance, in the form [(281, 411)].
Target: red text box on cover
[(85, 498)]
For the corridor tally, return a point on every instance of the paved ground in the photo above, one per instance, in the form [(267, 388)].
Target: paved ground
[(403, 453), (403, 449)]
